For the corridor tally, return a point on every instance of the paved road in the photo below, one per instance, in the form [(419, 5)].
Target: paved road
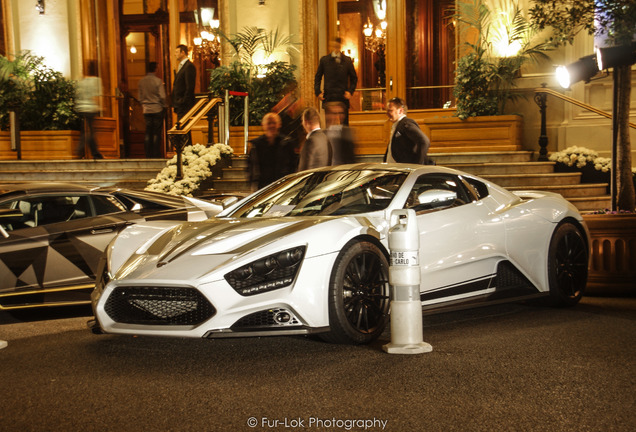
[(505, 368)]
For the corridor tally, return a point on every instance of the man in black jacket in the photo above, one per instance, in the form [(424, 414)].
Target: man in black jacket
[(407, 143), (340, 78), (184, 81)]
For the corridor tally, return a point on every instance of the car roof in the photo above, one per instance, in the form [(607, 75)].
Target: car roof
[(40, 187), (383, 166)]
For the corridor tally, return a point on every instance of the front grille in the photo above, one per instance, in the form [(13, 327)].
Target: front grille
[(158, 306), (266, 318)]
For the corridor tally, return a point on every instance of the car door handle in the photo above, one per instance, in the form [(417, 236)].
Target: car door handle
[(102, 231)]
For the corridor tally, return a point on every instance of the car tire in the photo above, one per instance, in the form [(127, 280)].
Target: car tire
[(358, 294), (568, 258)]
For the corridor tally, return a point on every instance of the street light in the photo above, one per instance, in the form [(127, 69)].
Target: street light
[(587, 67), (623, 55), (581, 70)]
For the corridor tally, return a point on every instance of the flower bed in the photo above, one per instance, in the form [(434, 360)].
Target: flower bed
[(198, 163), (593, 169)]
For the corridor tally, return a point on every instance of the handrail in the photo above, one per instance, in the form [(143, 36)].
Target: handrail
[(187, 122), (578, 103), (180, 132)]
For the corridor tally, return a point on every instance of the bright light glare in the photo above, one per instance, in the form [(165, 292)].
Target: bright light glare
[(599, 58), (563, 76), (206, 15)]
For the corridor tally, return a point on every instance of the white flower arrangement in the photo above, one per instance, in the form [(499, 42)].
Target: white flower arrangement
[(198, 161), (574, 155), (603, 164)]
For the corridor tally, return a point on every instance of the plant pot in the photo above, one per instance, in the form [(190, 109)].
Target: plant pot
[(560, 167), (41, 145), (613, 254), (591, 175)]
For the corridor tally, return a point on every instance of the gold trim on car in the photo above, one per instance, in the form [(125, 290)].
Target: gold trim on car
[(44, 291)]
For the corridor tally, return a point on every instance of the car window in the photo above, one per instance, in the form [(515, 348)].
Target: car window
[(325, 193), (38, 211), (436, 191), (48, 209), (106, 205), (478, 188)]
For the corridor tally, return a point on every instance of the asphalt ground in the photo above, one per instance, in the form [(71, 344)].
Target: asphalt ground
[(517, 367)]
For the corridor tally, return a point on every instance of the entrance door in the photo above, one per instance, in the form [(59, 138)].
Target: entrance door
[(142, 42), (400, 49)]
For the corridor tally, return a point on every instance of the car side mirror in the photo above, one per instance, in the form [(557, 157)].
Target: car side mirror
[(437, 197)]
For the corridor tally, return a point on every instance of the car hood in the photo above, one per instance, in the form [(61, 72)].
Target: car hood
[(163, 250)]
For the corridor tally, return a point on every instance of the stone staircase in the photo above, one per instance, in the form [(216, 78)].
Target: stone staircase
[(514, 170), (128, 173)]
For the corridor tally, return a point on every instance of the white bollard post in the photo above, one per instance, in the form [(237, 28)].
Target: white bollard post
[(404, 278)]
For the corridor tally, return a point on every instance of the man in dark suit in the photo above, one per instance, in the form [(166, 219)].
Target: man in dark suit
[(407, 144), (184, 81), (340, 78), (316, 151)]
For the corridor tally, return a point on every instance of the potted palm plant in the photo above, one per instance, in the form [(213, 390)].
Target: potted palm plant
[(497, 47)]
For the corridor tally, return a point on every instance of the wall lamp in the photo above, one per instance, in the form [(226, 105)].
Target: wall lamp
[(581, 70)]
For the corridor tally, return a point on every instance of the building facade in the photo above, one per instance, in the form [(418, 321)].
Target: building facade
[(405, 48)]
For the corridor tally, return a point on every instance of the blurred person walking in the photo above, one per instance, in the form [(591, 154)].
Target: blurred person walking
[(88, 106), (340, 136), (271, 155)]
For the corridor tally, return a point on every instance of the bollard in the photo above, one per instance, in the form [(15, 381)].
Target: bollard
[(404, 278)]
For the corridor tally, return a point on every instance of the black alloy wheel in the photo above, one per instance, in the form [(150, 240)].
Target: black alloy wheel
[(568, 259), (358, 294)]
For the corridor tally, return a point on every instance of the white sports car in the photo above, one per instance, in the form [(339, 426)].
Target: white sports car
[(310, 254)]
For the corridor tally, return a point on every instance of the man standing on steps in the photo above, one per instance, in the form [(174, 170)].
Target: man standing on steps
[(340, 78), (183, 86)]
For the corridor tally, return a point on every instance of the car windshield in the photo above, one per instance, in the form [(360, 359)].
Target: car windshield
[(324, 193)]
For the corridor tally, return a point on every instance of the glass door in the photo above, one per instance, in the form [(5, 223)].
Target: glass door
[(141, 49), (362, 26), (399, 48)]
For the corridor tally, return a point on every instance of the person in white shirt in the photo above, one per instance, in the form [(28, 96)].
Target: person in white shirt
[(152, 96), (87, 105)]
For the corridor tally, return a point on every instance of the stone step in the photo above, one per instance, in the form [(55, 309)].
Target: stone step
[(498, 168), (446, 159), (536, 180), (568, 191), (80, 175), (234, 173), (82, 164), (223, 185), (588, 204), (130, 183)]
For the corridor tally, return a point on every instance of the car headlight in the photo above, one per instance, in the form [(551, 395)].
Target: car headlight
[(266, 274)]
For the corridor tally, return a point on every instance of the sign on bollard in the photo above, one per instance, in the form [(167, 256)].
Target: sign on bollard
[(404, 278)]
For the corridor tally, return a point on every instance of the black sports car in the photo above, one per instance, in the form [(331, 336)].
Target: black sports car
[(53, 234)]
